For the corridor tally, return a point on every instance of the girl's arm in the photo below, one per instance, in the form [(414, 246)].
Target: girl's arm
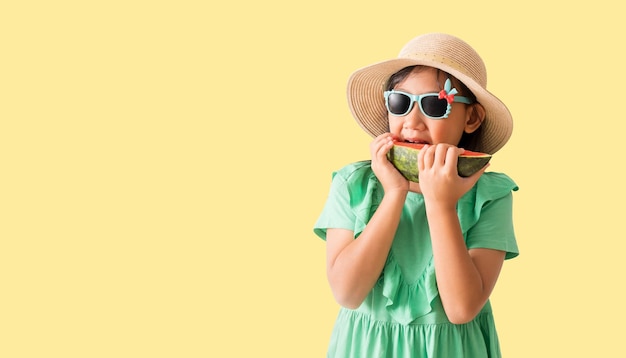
[(354, 266), (465, 278)]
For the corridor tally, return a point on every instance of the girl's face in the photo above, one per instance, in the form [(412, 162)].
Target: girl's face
[(415, 127)]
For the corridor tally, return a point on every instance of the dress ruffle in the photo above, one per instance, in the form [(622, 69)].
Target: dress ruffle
[(491, 186), (366, 196), (406, 302), (355, 332)]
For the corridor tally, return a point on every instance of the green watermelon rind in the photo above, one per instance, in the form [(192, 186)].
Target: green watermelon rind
[(405, 160)]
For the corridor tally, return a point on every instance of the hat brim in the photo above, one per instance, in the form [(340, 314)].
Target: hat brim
[(366, 102)]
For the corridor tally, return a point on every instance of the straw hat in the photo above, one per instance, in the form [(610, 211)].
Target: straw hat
[(442, 51)]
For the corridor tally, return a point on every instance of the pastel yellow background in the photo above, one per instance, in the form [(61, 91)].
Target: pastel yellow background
[(162, 164)]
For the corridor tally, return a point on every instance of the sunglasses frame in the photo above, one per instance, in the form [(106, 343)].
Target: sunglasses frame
[(418, 98)]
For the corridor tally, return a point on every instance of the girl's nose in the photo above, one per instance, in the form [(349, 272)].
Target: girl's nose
[(414, 120)]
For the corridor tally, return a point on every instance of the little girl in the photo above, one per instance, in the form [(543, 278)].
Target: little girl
[(413, 263)]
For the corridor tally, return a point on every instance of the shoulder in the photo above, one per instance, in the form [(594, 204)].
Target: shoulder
[(358, 175), (358, 182), (355, 172), (494, 182), (491, 186)]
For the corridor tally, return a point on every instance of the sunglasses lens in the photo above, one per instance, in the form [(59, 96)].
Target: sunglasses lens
[(398, 103), (434, 107)]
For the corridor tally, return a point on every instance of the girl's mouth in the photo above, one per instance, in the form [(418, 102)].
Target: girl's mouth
[(415, 141)]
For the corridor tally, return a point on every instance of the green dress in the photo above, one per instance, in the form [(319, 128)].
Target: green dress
[(403, 315)]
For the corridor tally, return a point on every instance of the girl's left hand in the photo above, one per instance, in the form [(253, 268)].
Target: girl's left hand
[(438, 176)]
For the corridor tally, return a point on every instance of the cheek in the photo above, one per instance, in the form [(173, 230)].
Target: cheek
[(450, 134), (395, 124)]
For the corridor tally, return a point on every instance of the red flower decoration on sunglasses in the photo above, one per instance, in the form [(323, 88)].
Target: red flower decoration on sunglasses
[(449, 97), (448, 92)]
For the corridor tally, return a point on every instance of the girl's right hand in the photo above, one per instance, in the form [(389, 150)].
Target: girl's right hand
[(387, 174)]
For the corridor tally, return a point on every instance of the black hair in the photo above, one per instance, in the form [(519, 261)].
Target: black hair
[(399, 76)]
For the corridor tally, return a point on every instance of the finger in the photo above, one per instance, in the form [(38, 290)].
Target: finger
[(441, 154), (386, 143), (425, 157), (379, 141), (452, 158), (382, 148)]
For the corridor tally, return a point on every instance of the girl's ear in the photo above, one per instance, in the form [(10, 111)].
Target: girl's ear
[(475, 117)]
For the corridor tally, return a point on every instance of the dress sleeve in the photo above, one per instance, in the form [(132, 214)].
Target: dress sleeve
[(352, 199), (488, 221)]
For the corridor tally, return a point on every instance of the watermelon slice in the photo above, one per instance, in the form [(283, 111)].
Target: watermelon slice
[(404, 157)]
